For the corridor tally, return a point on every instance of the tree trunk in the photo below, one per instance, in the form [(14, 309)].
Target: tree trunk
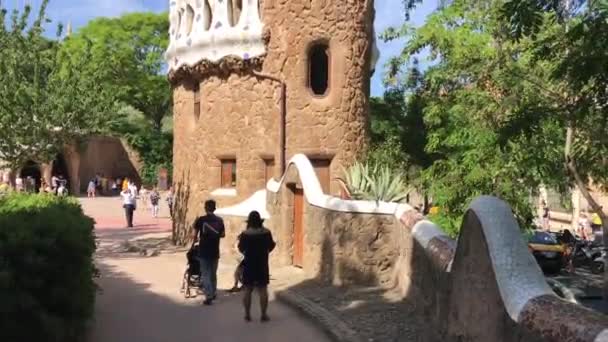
[(582, 185)]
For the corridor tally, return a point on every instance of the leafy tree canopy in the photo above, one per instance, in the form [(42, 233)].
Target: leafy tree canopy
[(128, 53), (498, 104), (45, 94)]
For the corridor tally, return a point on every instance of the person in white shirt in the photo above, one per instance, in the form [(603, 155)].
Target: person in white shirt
[(19, 184), (134, 191), (128, 202)]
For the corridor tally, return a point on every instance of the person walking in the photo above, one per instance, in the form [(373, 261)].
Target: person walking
[(256, 243), (54, 183), (128, 203), (144, 195), (596, 222), (169, 199), (209, 229), (154, 199), (546, 217), (91, 188), (238, 272)]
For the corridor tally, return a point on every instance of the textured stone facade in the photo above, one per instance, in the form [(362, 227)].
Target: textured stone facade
[(339, 248), (240, 112)]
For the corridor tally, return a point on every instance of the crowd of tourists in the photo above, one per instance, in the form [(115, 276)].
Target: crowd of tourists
[(151, 200), (58, 185)]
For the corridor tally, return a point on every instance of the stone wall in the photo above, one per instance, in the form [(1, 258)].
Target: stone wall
[(486, 286), (239, 114), (340, 248)]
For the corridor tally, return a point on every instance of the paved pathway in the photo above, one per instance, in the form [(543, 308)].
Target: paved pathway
[(140, 298)]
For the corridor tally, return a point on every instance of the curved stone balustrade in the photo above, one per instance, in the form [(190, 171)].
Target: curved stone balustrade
[(211, 30), (496, 290)]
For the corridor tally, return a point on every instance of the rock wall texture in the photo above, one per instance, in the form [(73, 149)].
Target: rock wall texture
[(109, 156), (239, 112), (339, 248)]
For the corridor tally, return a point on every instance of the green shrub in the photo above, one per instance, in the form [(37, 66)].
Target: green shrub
[(47, 292)]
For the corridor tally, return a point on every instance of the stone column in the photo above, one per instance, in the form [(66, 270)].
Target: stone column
[(72, 158), (46, 170)]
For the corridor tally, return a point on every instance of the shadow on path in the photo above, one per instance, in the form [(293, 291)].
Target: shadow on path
[(140, 301)]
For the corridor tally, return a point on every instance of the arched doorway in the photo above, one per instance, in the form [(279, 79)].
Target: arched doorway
[(60, 167), (31, 175)]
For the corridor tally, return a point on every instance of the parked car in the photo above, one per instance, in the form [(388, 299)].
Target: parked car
[(547, 251)]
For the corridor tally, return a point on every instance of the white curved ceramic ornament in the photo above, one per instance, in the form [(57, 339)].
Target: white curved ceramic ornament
[(201, 30)]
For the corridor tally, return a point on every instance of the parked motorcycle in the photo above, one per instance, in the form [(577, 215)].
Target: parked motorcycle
[(597, 265), (589, 255)]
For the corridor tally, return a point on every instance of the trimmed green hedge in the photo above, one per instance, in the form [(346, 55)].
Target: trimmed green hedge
[(47, 292)]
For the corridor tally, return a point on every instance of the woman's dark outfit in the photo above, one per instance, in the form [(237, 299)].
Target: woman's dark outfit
[(256, 244)]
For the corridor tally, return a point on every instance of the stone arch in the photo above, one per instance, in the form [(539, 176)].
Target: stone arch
[(60, 167), (33, 170)]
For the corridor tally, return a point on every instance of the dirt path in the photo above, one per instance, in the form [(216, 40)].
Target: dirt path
[(141, 301)]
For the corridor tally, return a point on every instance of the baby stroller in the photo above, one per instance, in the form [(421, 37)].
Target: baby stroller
[(192, 275)]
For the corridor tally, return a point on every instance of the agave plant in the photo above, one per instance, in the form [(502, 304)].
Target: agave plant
[(355, 181), (386, 186), (365, 181)]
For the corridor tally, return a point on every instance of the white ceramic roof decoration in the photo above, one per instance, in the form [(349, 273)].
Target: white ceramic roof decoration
[(210, 30)]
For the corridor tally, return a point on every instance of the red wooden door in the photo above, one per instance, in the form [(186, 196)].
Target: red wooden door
[(298, 228)]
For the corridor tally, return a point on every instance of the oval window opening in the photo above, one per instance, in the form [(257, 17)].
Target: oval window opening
[(318, 78)]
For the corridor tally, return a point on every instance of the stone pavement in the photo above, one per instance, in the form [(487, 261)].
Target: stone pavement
[(140, 299)]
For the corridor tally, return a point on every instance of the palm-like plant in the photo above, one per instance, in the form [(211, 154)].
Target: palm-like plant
[(373, 182)]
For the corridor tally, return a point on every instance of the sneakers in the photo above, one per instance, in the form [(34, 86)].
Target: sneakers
[(208, 301)]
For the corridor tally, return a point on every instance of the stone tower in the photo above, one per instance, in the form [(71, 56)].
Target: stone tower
[(258, 81)]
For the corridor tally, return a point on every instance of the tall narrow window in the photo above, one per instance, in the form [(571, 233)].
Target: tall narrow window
[(197, 102), (207, 15), (228, 175), (268, 169), (321, 167), (189, 19), (318, 69), (235, 7)]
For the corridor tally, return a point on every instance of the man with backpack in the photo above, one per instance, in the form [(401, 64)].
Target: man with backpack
[(209, 229)]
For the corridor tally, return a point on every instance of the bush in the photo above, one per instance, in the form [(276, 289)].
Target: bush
[(47, 292)]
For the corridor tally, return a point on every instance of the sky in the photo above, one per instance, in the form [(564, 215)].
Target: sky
[(79, 12)]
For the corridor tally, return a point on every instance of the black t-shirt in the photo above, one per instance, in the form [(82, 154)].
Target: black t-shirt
[(210, 229)]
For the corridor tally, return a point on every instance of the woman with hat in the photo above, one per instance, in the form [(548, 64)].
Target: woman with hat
[(256, 243)]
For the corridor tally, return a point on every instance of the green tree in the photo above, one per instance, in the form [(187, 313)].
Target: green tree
[(399, 133), (129, 54), (489, 129), (576, 49), (45, 94)]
